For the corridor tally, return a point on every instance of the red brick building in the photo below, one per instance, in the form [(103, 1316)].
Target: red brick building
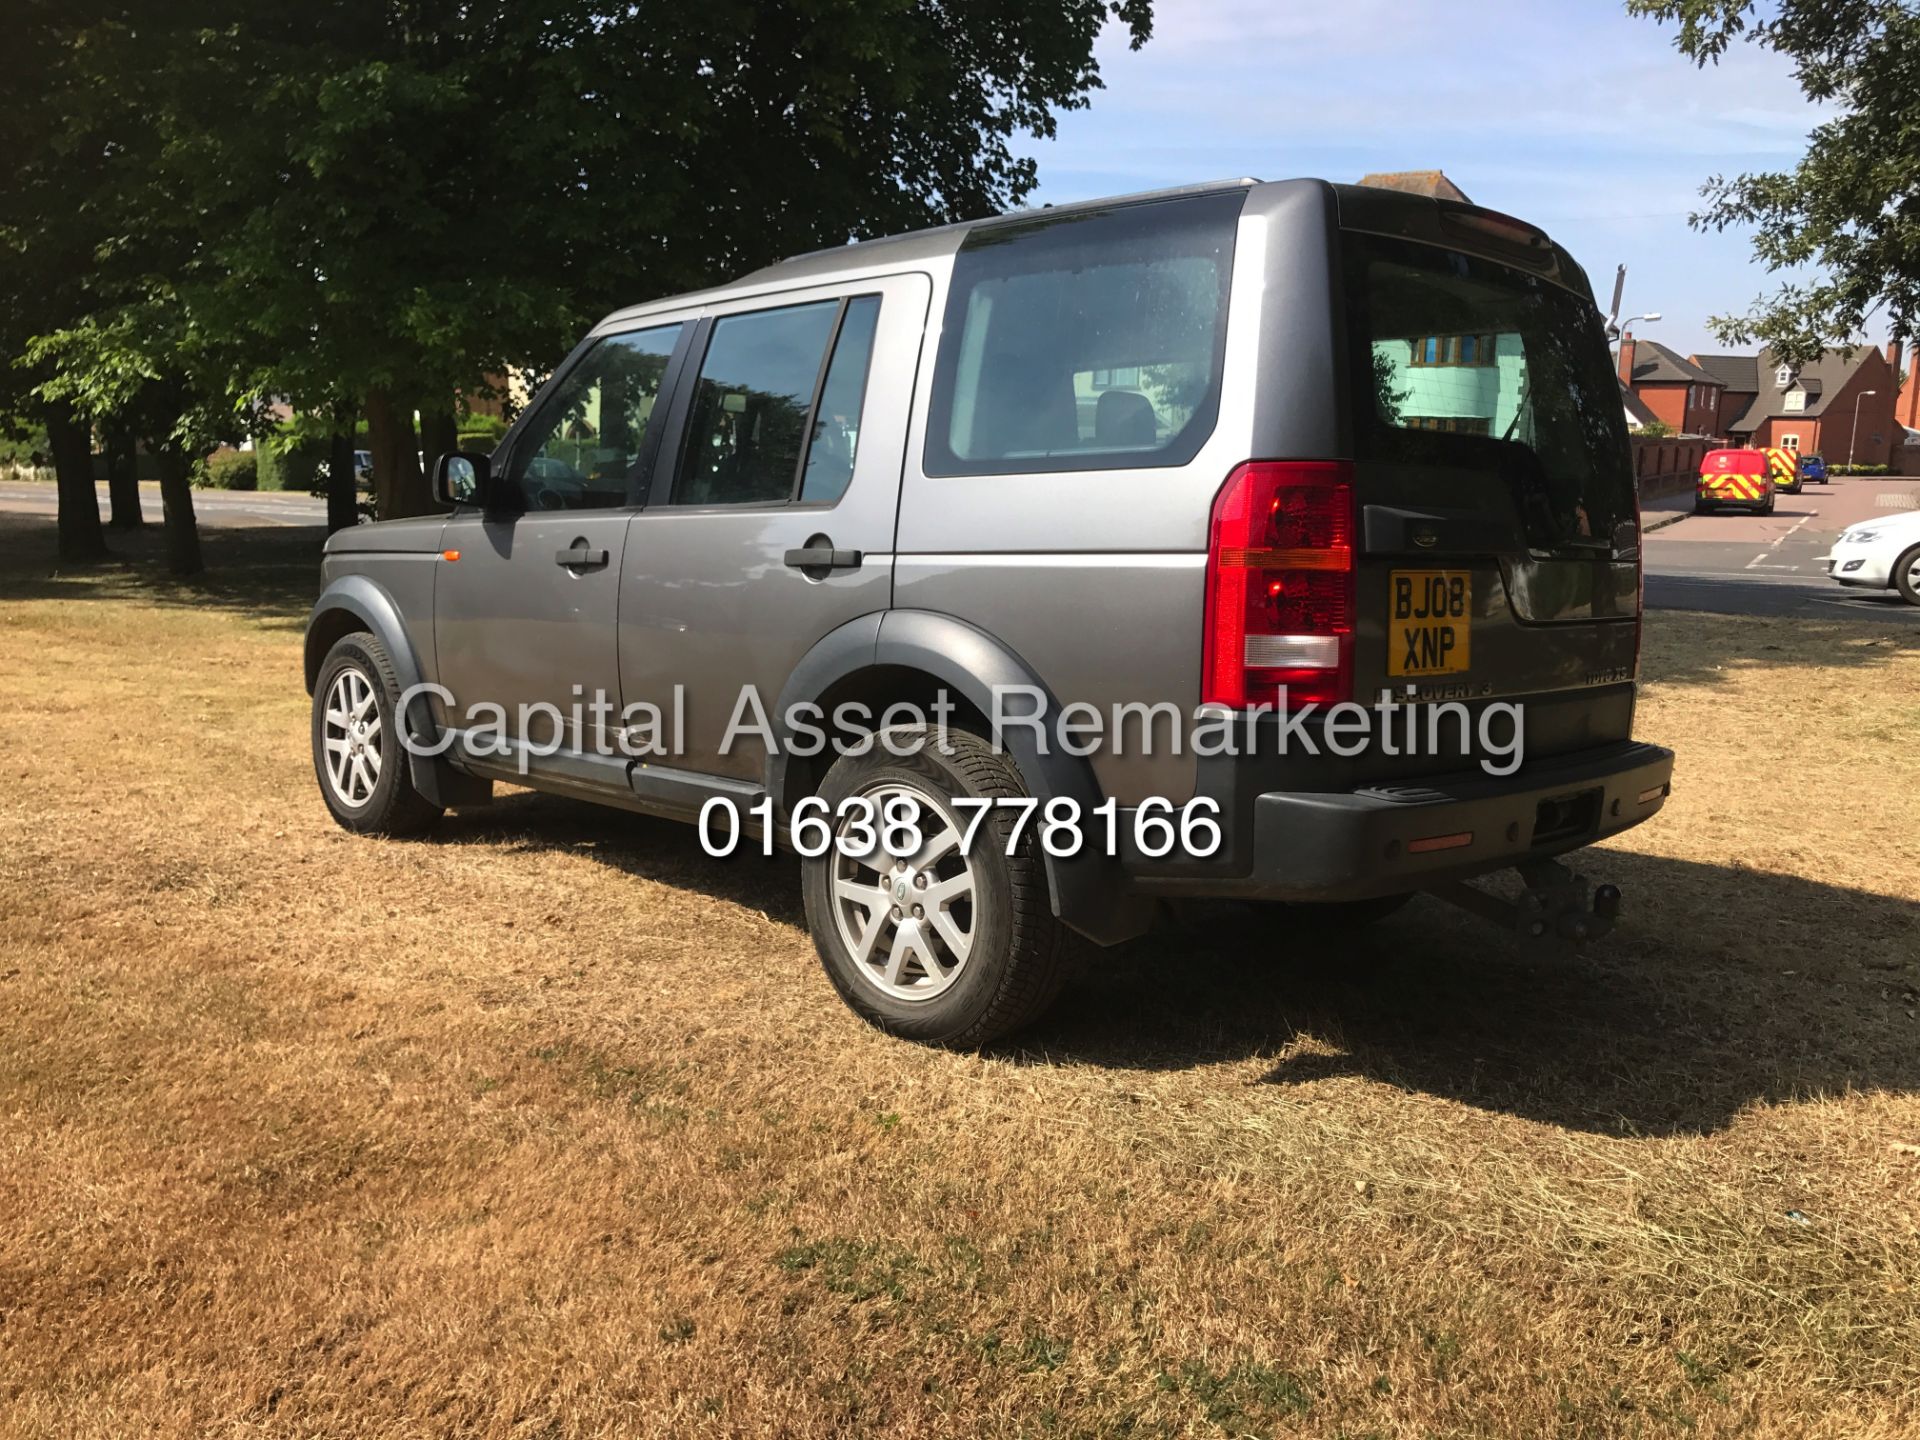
[(1813, 408), (1682, 395)]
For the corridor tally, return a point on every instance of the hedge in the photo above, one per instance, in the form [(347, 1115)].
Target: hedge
[(230, 470), (300, 465)]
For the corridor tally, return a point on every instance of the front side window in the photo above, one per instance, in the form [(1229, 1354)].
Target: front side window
[(581, 451), (1092, 341)]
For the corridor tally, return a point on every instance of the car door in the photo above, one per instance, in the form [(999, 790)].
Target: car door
[(774, 502), (527, 593)]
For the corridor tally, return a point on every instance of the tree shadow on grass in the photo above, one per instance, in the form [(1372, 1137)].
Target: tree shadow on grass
[(267, 572), (1722, 988)]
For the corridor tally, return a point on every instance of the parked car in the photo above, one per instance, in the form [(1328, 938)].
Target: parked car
[(1814, 467), (1734, 477), (1880, 554), (1236, 454), (363, 469)]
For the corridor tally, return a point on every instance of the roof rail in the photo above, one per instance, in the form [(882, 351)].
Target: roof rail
[(1027, 212), (1204, 187)]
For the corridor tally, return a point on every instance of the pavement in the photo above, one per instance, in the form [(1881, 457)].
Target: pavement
[(1732, 563), (210, 507), (1738, 563)]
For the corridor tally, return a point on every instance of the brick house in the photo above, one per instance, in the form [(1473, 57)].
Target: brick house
[(1679, 393), (1811, 409), (1739, 377)]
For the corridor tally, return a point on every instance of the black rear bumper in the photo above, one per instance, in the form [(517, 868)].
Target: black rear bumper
[(1387, 840)]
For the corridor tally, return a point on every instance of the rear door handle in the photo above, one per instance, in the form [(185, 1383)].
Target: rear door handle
[(579, 556), (823, 557)]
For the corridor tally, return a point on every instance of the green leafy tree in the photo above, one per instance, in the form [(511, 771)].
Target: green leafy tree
[(398, 198), (1852, 205)]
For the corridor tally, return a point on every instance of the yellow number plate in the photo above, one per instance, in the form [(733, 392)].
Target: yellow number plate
[(1431, 627)]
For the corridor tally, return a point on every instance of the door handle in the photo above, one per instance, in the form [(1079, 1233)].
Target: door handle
[(823, 557), (579, 557)]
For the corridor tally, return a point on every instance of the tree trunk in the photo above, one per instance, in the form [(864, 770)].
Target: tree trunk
[(176, 508), (399, 486), (439, 435), (81, 537), (123, 479), (343, 496)]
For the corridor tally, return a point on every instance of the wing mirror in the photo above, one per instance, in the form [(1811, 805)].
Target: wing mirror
[(461, 477)]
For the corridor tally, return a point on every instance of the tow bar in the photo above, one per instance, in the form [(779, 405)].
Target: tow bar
[(1557, 905)]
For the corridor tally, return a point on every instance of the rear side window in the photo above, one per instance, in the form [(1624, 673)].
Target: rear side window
[(1089, 342), (775, 414), (749, 415)]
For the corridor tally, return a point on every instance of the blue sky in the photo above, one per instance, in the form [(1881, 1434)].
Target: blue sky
[(1568, 113)]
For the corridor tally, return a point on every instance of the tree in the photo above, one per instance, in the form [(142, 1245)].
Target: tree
[(369, 206), (1852, 205), (397, 198)]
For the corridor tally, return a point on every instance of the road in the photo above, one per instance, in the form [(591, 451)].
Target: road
[(1733, 563), (210, 507), (1742, 564)]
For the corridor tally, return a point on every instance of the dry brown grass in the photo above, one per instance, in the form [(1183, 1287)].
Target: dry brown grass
[(550, 1126)]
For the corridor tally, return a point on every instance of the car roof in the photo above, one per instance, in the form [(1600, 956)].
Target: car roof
[(892, 253)]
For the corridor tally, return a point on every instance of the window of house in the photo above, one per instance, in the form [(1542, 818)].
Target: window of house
[(1450, 424), (761, 382), (1086, 341), (1453, 350), (581, 451), (1790, 442)]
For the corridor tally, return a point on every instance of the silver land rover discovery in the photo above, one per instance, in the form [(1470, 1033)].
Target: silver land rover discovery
[(1274, 542)]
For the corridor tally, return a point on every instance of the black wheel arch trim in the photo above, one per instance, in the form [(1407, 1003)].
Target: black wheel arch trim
[(369, 603), (1090, 892)]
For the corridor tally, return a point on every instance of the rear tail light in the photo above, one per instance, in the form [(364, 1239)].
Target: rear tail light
[(1280, 586)]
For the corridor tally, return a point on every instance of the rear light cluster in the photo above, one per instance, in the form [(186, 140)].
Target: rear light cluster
[(1280, 586)]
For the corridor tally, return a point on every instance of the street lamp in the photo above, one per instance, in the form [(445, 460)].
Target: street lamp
[(1630, 322), (1856, 425)]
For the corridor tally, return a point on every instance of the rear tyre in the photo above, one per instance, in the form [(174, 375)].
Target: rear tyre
[(357, 755), (940, 946), (1702, 507), (1906, 576), (1767, 508)]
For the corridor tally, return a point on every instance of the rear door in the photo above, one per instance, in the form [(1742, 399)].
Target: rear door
[(1499, 519), (773, 504)]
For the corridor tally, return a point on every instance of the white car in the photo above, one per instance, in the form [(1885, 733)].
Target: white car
[(1880, 554)]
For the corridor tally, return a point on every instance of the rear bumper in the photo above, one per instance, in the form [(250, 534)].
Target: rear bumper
[(1391, 839)]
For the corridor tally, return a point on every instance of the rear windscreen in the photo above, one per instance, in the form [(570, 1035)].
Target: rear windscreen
[(1465, 363)]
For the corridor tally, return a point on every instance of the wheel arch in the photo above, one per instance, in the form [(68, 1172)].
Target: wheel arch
[(353, 603), (915, 655)]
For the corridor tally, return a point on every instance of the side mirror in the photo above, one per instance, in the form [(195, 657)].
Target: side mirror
[(460, 477)]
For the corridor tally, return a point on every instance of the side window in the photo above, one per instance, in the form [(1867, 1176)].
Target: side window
[(581, 451), (836, 420), (774, 416), (1085, 343), (748, 421)]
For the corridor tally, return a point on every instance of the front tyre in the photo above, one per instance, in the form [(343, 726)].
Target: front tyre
[(939, 945), (1906, 576), (357, 754)]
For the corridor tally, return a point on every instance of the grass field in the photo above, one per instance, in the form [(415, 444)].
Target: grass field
[(551, 1126)]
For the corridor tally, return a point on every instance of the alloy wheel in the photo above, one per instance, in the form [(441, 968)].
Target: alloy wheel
[(351, 733), (908, 922)]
